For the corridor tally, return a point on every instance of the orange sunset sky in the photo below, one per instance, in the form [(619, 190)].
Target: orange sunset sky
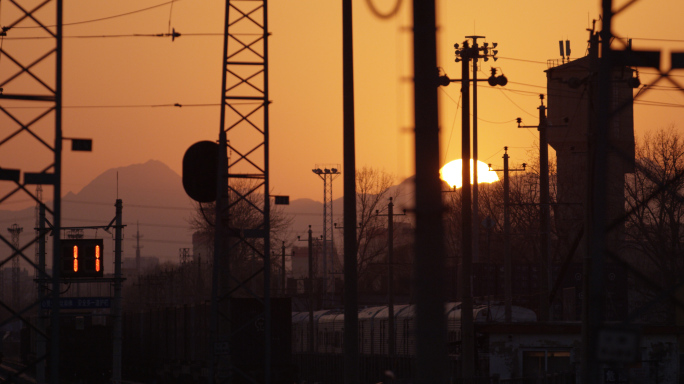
[(117, 90)]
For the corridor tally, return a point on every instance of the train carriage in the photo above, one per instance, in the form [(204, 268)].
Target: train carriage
[(373, 331)]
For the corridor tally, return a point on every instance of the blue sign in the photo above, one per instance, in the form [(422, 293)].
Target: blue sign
[(79, 303)]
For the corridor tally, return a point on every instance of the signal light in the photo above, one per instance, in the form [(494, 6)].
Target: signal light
[(97, 258), (81, 258), (75, 258), (200, 164)]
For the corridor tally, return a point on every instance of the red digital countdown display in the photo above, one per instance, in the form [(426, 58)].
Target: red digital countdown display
[(82, 258)]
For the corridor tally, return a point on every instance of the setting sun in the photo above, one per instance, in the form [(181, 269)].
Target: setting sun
[(451, 173)]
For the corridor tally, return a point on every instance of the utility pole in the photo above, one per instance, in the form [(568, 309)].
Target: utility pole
[(39, 198), (137, 247), (283, 270), (15, 230), (464, 55), (508, 280), (545, 212), (390, 276), (310, 289), (41, 341), (118, 278), (476, 53), (311, 292), (467, 329), (476, 215)]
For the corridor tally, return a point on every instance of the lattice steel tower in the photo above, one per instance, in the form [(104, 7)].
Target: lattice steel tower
[(31, 126), (243, 184)]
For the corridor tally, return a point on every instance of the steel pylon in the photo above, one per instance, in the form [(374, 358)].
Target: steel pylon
[(31, 138), (243, 188)]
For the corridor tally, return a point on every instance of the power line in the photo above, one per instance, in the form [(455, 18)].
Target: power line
[(524, 60), (514, 103), (658, 104), (77, 220), (178, 105), (651, 39), (107, 17), (172, 35), (128, 205)]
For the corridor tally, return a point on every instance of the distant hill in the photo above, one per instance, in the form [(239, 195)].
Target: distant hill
[(152, 195), (153, 198)]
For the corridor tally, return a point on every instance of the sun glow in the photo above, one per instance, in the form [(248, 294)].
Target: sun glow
[(451, 173)]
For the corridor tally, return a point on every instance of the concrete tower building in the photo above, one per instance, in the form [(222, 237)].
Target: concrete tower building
[(572, 109)]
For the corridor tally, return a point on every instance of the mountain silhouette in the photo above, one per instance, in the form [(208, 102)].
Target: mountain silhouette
[(154, 201), (153, 198)]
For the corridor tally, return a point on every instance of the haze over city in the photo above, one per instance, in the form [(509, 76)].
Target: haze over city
[(126, 257)]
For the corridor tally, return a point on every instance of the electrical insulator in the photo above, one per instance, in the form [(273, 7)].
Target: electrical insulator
[(443, 80), (502, 80), (492, 79)]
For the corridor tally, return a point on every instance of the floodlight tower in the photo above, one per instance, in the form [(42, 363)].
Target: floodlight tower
[(15, 231), (328, 173)]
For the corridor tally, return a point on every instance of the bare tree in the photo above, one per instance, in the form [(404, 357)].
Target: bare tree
[(244, 215), (524, 216), (655, 204), (373, 191)]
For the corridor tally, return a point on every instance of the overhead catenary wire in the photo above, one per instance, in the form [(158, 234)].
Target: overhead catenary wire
[(174, 105), (514, 103), (148, 35), (104, 18), (191, 105)]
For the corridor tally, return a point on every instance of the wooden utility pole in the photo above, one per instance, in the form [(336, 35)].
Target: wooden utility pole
[(390, 274), (467, 329), (508, 279), (311, 293), (545, 214)]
